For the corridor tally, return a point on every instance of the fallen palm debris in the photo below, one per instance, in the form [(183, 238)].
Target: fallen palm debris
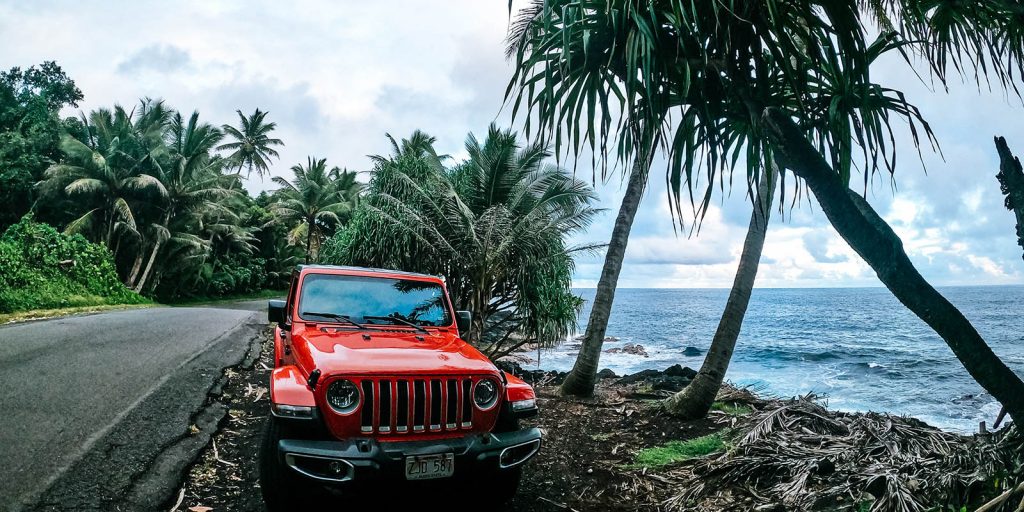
[(798, 455)]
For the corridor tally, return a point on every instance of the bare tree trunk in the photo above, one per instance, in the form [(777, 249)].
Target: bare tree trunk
[(873, 239), (136, 266), (149, 267), (1011, 182), (309, 240), (581, 379), (695, 400)]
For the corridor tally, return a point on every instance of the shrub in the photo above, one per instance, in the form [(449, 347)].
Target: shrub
[(41, 268)]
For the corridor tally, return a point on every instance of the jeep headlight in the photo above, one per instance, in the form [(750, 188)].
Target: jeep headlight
[(486, 394), (343, 396)]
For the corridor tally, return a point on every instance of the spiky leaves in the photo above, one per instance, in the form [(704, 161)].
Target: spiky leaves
[(318, 201), (494, 225), (251, 146)]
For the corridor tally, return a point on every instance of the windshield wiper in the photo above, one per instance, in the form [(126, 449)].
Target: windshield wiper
[(398, 319), (336, 317)]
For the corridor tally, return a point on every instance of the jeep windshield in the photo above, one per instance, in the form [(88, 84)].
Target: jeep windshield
[(363, 301)]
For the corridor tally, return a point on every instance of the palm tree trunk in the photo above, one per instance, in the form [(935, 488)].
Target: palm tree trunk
[(580, 381), (695, 400), (149, 267), (873, 239), (309, 240), (135, 268)]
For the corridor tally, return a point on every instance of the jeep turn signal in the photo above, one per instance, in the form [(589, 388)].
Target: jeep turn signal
[(524, 405), (292, 411)]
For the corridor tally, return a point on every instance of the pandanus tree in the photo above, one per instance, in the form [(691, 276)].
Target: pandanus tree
[(494, 226), (317, 201), (700, 76), (251, 146)]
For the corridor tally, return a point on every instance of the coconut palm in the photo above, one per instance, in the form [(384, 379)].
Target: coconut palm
[(252, 148), (107, 169), (698, 77), (317, 201), (193, 182), (493, 225)]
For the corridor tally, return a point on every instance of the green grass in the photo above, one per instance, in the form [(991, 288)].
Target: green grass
[(678, 451), (262, 294), (732, 409), (40, 314)]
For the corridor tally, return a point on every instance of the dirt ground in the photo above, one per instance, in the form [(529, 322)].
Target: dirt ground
[(588, 445)]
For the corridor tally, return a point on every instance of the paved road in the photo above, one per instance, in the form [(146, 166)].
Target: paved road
[(82, 393)]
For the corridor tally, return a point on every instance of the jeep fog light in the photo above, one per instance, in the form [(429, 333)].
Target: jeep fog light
[(524, 405), (343, 396), (292, 411), (486, 394)]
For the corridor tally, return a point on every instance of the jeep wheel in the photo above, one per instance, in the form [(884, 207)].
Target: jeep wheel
[(279, 484), (506, 483)]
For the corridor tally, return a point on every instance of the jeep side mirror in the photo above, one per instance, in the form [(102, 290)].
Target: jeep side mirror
[(463, 320), (275, 312)]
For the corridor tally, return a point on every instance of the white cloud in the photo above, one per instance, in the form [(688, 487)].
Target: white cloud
[(336, 76)]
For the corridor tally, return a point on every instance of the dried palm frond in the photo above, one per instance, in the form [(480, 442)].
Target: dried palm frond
[(799, 454)]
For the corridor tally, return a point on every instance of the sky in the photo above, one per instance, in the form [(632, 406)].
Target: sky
[(336, 76)]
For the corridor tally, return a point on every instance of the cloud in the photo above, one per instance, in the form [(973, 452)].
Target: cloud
[(160, 58), (818, 244), (337, 75)]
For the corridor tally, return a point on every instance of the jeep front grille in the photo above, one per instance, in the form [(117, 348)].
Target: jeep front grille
[(416, 405)]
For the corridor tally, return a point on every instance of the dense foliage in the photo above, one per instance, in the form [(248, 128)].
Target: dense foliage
[(495, 226), (41, 268), (162, 191), (30, 130)]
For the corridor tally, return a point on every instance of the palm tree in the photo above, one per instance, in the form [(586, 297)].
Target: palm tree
[(696, 399), (193, 184), (109, 169), (252, 147), (494, 225), (719, 66), (317, 200)]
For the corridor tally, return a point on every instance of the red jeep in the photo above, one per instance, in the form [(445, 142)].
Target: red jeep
[(373, 383)]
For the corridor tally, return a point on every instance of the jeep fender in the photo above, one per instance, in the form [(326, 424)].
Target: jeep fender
[(288, 387), (517, 389)]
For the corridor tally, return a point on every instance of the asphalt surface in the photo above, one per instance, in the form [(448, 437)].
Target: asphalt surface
[(98, 411)]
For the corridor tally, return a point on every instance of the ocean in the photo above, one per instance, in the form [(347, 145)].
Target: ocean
[(858, 347)]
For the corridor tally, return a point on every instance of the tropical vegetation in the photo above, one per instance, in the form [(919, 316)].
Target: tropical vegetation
[(41, 268), (160, 191), (495, 225)]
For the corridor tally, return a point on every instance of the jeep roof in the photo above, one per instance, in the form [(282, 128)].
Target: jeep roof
[(308, 266)]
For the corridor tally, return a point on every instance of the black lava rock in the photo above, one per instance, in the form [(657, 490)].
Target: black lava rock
[(641, 376), (692, 351), (606, 374), (680, 371)]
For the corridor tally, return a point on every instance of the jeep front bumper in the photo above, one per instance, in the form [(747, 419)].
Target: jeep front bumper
[(369, 459)]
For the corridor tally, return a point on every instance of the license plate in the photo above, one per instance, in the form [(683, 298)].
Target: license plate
[(425, 467)]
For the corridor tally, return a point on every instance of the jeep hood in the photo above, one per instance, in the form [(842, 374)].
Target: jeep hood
[(392, 352)]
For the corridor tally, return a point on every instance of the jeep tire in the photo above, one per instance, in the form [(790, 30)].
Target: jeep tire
[(280, 486)]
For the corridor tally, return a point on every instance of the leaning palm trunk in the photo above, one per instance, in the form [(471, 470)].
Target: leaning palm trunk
[(580, 381), (136, 266), (695, 400), (873, 239), (149, 267)]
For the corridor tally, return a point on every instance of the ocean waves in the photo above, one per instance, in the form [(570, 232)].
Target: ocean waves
[(859, 347)]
